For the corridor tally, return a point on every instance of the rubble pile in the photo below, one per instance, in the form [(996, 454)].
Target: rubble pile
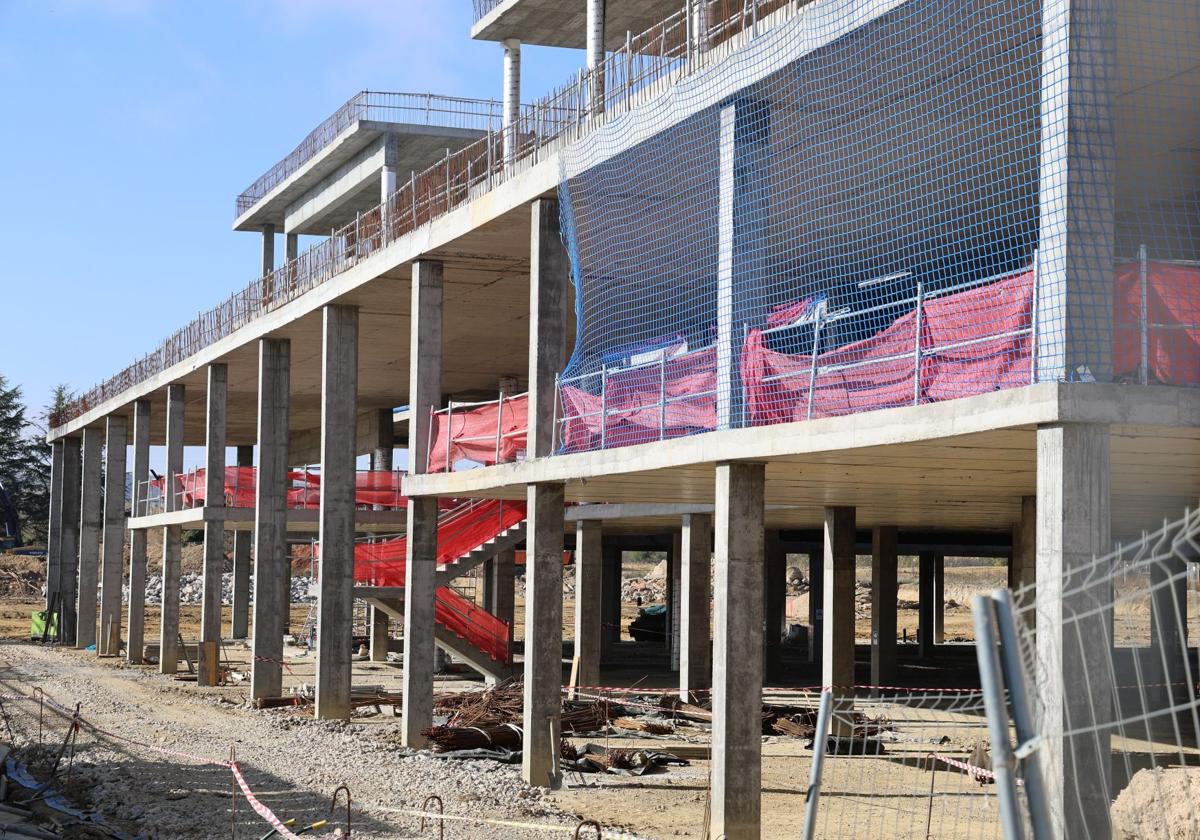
[(191, 589)]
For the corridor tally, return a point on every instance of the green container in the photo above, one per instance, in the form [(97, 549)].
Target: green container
[(37, 625)]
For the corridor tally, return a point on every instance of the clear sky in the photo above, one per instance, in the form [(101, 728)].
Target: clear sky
[(129, 127)]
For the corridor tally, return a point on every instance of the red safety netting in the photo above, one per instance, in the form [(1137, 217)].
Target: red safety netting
[(1173, 322), (373, 488), (473, 623), (493, 433), (634, 404)]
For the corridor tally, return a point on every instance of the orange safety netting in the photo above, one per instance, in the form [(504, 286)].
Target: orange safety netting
[(488, 434)]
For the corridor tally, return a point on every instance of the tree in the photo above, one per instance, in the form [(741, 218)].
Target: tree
[(23, 465)]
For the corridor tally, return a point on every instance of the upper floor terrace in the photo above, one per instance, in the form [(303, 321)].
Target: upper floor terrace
[(555, 24)]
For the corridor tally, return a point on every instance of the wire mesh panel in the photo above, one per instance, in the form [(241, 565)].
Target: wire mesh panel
[(1120, 664)]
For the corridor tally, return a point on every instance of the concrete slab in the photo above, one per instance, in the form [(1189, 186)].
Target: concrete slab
[(552, 23)]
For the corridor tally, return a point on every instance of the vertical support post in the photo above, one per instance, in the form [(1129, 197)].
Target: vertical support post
[(503, 595), (675, 578), (695, 590), (1076, 191), (80, 625), (339, 423), (69, 537), (588, 566), (595, 52), (991, 681), (168, 635), (737, 652), (381, 461), (549, 271), (291, 246), (1074, 629), (239, 627), (512, 99), (816, 602), (883, 605), (113, 557), (1168, 621), (54, 523), (837, 643), (925, 596), (939, 599), (1143, 318), (214, 530), (543, 633), (268, 249), (774, 606), (610, 597), (137, 539), (270, 517), (1024, 558), (420, 572)]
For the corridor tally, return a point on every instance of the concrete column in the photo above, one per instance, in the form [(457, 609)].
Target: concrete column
[(113, 558), (54, 525), (742, 227), (69, 538), (774, 606), (675, 579), (239, 626), (291, 246), (1074, 629), (816, 602), (80, 624), (610, 607), (339, 447), (1168, 624), (595, 50), (270, 517), (589, 563), (925, 598), (502, 598), (549, 272), (512, 98), (268, 249), (1077, 184), (420, 572), (669, 597), (883, 605), (168, 635), (939, 599), (695, 585), (837, 642), (1024, 557), (387, 182), (381, 460), (140, 473), (214, 497), (737, 652)]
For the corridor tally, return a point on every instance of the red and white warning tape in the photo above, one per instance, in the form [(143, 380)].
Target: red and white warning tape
[(259, 808)]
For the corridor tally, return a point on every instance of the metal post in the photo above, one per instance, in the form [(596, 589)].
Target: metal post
[(917, 344), (812, 369), (1143, 325), (992, 683), (499, 424), (662, 397), (1033, 324), (429, 441), (603, 406), (449, 431), (1013, 672), (820, 738)]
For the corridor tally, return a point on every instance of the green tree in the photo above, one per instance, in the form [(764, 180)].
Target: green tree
[(24, 463)]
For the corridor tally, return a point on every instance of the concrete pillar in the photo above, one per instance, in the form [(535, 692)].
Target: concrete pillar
[(669, 597), (549, 272), (168, 635), (774, 606), (54, 525), (113, 558), (742, 227), (339, 447), (512, 98), (737, 652), (883, 605), (270, 517), (595, 50), (816, 602), (1168, 625), (268, 249), (502, 594), (1024, 557), (588, 565), (239, 626), (381, 461), (1077, 184), (69, 538), (80, 625), (1074, 630), (140, 473), (543, 634), (695, 585), (214, 497), (939, 599), (610, 607), (837, 642), (291, 246), (420, 573), (925, 599), (675, 581)]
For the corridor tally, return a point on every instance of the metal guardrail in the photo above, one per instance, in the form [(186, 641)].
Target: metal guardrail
[(646, 66), (484, 7), (418, 108)]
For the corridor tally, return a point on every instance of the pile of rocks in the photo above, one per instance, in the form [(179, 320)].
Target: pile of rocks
[(191, 589)]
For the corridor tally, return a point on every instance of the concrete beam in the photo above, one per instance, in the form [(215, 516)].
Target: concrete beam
[(271, 561), (543, 634), (140, 473), (695, 589), (737, 652), (214, 533), (883, 605), (335, 605), (168, 636), (81, 626), (1074, 629), (549, 273), (113, 559), (239, 626), (589, 564), (837, 641)]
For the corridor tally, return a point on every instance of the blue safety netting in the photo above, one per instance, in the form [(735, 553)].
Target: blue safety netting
[(869, 205)]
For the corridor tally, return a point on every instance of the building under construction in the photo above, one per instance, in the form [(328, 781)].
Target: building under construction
[(823, 277)]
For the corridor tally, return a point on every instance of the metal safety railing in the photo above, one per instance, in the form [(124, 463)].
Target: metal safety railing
[(382, 106), (648, 65), (483, 8)]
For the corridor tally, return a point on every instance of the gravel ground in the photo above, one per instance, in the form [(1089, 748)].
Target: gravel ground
[(293, 764)]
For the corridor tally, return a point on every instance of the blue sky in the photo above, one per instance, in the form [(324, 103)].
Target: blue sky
[(131, 125)]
